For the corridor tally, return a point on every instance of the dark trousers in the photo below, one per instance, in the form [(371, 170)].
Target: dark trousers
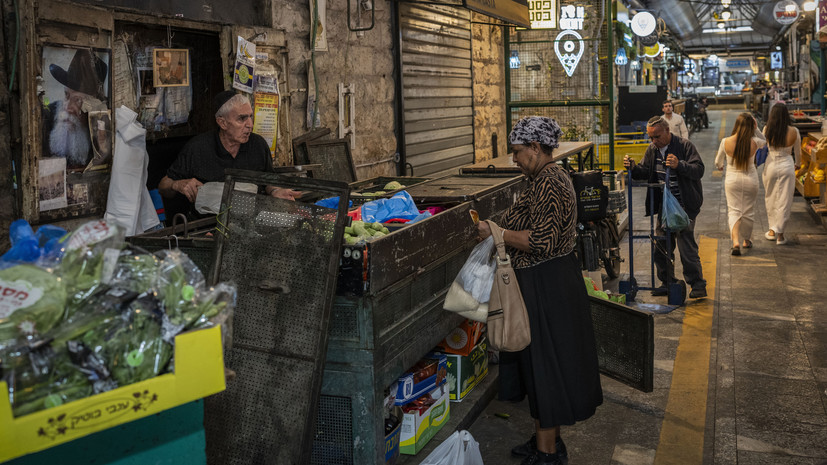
[(688, 248)]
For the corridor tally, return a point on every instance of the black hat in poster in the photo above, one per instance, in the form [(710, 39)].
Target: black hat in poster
[(86, 73)]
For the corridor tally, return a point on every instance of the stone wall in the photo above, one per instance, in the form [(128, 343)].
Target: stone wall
[(489, 88), (364, 59)]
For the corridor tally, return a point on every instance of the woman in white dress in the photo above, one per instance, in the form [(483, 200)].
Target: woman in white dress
[(738, 151), (784, 142)]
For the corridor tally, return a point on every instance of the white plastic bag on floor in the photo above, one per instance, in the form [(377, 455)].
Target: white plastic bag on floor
[(459, 449)]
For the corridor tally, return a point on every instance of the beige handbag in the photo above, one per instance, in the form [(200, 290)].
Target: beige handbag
[(508, 327)]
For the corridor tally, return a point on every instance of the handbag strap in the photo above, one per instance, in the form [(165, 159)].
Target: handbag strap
[(499, 242)]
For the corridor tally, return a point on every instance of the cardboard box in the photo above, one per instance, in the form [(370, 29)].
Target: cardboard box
[(420, 425), (462, 339), (392, 445), (466, 371), (431, 371), (199, 372)]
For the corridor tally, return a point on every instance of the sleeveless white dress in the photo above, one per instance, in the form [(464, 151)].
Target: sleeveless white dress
[(741, 187), (779, 183)]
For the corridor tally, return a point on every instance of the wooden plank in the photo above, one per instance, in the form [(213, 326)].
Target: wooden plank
[(72, 13), (29, 65)]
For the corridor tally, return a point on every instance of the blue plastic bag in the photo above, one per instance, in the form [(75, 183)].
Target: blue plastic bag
[(401, 206), (673, 218), (29, 247), (332, 202), (761, 155)]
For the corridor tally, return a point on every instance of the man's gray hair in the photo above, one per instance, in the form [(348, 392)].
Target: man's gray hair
[(658, 121), (237, 99)]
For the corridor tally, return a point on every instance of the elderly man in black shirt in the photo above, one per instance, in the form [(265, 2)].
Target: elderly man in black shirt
[(205, 157)]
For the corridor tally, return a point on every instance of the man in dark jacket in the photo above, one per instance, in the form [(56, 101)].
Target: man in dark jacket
[(685, 172)]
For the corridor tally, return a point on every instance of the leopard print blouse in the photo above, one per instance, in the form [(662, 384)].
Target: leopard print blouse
[(548, 209)]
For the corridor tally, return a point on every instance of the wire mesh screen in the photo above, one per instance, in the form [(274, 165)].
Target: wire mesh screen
[(333, 441), (563, 73), (281, 255), (625, 343)]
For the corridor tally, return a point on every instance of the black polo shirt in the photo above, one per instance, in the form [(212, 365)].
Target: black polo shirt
[(205, 158)]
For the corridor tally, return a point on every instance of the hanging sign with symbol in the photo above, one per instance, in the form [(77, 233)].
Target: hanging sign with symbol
[(785, 11), (572, 50), (569, 40)]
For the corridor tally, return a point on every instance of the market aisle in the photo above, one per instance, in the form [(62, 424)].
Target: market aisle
[(756, 374)]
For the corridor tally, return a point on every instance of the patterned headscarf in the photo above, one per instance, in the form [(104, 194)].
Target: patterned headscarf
[(540, 129)]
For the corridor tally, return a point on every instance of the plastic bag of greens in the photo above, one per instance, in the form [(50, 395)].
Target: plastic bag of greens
[(131, 344), (179, 284), (135, 271), (41, 376), (31, 303), (90, 253)]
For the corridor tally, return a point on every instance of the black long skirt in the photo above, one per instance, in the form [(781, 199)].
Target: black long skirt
[(558, 371)]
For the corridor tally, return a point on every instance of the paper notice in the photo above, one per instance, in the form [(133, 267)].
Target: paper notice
[(266, 119)]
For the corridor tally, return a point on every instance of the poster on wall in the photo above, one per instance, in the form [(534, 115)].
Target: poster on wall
[(245, 65), (171, 67), (266, 117), (51, 183), (76, 85), (320, 42)]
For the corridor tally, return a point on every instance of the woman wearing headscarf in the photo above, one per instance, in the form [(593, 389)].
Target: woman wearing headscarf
[(784, 157), (738, 151), (558, 371)]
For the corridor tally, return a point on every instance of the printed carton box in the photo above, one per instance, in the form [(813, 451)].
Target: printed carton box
[(466, 371), (422, 420)]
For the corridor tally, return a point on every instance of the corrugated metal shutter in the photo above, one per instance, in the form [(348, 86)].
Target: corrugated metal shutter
[(436, 87)]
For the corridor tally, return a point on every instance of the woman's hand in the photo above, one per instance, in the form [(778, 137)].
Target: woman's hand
[(483, 230)]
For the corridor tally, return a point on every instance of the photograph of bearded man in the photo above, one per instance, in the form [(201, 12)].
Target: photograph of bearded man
[(72, 92)]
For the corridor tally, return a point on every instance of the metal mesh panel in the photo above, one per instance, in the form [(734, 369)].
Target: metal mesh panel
[(281, 256), (334, 158), (344, 322), (333, 443), (247, 423), (625, 343)]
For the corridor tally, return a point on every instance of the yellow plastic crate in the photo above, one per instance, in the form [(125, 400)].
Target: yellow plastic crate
[(633, 148), (199, 372)]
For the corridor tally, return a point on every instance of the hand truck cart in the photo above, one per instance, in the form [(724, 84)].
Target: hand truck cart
[(675, 288)]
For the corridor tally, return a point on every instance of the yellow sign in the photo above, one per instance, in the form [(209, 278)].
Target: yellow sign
[(199, 372)]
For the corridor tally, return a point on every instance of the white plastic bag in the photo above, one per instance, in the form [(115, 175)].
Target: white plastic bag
[(459, 449), (471, 289)]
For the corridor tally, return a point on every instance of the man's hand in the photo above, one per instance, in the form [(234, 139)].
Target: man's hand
[(628, 163), (286, 194), (671, 161), (188, 187)]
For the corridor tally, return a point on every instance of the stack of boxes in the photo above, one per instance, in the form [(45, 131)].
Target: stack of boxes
[(447, 374)]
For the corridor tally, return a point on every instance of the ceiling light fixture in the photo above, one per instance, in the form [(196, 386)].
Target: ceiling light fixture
[(726, 13), (721, 25), (809, 5), (726, 2)]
